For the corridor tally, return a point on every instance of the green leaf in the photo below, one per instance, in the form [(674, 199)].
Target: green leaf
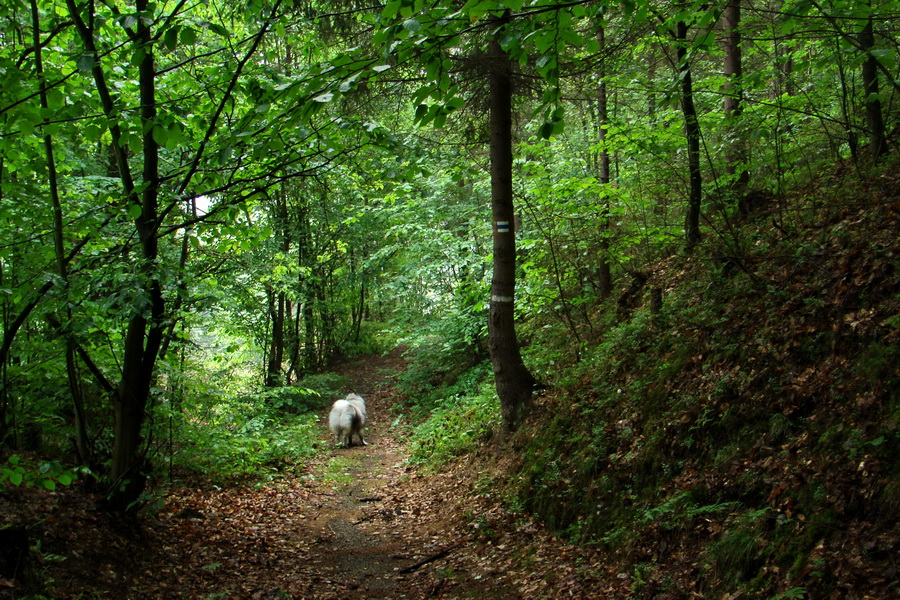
[(886, 56), (391, 10), (85, 63), (509, 42), (175, 135), (135, 211), (218, 30), (188, 36), (547, 130), (160, 135), (138, 57), (55, 98), (476, 9), (347, 84), (171, 38), (324, 98)]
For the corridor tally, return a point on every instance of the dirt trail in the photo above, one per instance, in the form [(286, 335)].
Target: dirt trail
[(358, 551), (358, 523)]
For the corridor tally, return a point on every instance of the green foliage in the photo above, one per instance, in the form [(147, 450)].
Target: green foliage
[(239, 440), (20, 471), (291, 400), (324, 386), (735, 555), (299, 173), (686, 425), (437, 372), (223, 433), (455, 428)]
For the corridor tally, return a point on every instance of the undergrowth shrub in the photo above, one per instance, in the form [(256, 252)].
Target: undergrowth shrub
[(435, 374), (229, 437), (16, 470), (326, 386), (233, 447), (448, 389), (458, 424), (735, 556), (289, 399), (374, 337)]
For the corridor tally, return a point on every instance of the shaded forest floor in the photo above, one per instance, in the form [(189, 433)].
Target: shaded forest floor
[(354, 523)]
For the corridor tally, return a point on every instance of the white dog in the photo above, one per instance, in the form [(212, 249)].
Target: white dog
[(348, 417)]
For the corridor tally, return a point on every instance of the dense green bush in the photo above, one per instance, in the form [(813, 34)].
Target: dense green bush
[(225, 437), (455, 427)]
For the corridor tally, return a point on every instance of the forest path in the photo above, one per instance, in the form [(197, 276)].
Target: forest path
[(356, 523)]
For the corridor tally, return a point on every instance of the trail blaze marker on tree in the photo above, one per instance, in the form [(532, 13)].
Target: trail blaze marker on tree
[(502, 226)]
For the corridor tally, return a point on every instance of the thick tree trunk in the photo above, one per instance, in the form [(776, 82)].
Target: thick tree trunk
[(692, 133), (513, 380)]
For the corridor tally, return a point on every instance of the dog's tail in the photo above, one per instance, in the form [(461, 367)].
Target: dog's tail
[(351, 418)]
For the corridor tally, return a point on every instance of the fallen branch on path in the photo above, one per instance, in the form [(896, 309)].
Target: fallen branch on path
[(432, 558)]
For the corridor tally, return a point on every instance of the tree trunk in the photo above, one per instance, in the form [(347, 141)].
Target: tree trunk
[(278, 300), (359, 312), (692, 133), (874, 118), (513, 380), (735, 151), (141, 345), (309, 331), (291, 339), (604, 271), (81, 438), (276, 344), (144, 335)]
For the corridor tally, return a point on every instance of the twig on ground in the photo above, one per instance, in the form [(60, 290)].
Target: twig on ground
[(432, 558)]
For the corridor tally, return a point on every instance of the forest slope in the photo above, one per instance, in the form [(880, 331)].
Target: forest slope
[(742, 441)]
